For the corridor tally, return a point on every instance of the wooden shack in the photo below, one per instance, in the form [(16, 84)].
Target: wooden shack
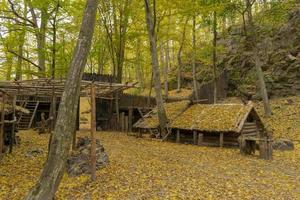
[(43, 96), (223, 125)]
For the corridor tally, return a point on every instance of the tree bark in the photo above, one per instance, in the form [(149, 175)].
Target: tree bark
[(179, 56), (93, 132), (262, 85), (194, 59), (61, 140), (166, 69), (139, 73), (215, 57), (9, 63), (155, 67)]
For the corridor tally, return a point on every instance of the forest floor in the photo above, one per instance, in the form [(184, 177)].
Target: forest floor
[(149, 169)]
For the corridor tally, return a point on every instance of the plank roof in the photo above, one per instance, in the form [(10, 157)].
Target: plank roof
[(213, 117)]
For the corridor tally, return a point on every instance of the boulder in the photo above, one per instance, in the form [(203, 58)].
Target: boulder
[(283, 145), (79, 162)]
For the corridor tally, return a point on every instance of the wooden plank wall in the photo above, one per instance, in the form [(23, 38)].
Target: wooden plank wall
[(135, 101), (206, 91), (107, 78)]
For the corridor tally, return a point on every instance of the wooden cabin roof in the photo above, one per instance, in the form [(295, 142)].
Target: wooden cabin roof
[(172, 110), (214, 117)]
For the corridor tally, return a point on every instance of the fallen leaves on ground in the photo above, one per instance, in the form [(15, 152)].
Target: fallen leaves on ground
[(182, 93), (285, 119), (147, 169)]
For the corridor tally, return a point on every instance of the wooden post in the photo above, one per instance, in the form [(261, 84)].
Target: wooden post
[(117, 111), (53, 111), (178, 136), (221, 139), (126, 123), (130, 119), (12, 136), (93, 132), (121, 120), (200, 138), (195, 137), (2, 125)]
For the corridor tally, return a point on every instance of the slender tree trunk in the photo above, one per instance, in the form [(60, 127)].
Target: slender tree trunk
[(138, 69), (54, 24), (194, 60), (166, 69), (262, 85), (66, 120), (215, 57), (155, 67), (20, 52), (41, 43), (179, 56), (20, 47), (9, 63), (249, 11)]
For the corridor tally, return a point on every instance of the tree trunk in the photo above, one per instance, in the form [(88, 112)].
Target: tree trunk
[(262, 85), (20, 52), (155, 67), (166, 69), (194, 59), (249, 11), (54, 24), (41, 43), (61, 140), (179, 56), (138, 69), (8, 63), (215, 58)]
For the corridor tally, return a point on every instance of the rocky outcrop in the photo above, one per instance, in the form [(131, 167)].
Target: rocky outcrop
[(283, 145), (279, 50), (79, 162)]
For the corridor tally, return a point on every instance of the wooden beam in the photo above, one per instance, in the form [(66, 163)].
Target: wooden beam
[(195, 137), (117, 111), (200, 138), (93, 132), (2, 125), (12, 136), (221, 139), (130, 119), (178, 136)]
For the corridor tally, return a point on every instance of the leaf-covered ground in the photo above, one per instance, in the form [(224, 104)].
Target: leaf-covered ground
[(148, 169)]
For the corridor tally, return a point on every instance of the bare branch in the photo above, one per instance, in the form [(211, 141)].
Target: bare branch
[(12, 6), (23, 58)]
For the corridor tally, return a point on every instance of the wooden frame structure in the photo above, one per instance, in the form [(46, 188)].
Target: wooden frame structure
[(52, 89)]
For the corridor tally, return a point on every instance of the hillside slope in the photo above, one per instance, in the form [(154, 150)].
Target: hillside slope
[(279, 50)]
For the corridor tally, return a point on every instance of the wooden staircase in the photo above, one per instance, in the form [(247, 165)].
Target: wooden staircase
[(25, 120)]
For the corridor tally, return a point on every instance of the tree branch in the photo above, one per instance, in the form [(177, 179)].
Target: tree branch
[(23, 58)]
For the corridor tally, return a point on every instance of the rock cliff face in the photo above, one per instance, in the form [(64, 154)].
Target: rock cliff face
[(279, 49)]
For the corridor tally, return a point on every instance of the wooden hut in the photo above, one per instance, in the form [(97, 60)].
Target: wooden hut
[(224, 124)]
